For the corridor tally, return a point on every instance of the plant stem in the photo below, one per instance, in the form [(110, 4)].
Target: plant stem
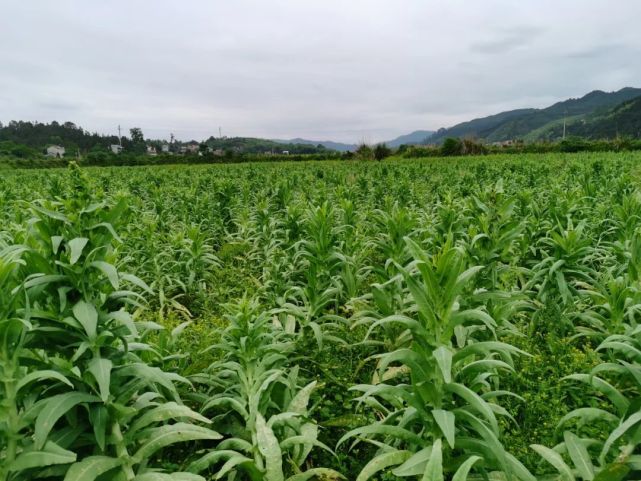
[(121, 451)]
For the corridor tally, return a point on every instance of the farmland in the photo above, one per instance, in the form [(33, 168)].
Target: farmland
[(420, 319)]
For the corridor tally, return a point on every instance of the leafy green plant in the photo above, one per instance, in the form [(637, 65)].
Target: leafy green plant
[(108, 411), (254, 399), (443, 420), (617, 383)]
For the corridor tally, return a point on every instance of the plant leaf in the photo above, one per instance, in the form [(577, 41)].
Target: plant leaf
[(50, 454), (90, 468), (87, 316), (434, 468), (53, 409), (270, 449), (446, 422), (443, 358), (76, 246), (579, 455), (163, 436), (381, 462), (555, 460), (100, 368), (464, 469)]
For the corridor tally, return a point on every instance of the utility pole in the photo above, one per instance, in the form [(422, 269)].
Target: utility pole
[(220, 132), (564, 117), (119, 136)]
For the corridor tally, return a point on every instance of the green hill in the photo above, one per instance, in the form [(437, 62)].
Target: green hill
[(538, 124), (624, 120)]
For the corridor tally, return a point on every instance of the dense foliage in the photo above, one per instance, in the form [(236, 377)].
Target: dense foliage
[(425, 319), (546, 124), (28, 140)]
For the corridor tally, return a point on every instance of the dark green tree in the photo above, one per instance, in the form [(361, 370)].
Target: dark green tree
[(452, 146), (364, 152), (382, 151), (137, 141)]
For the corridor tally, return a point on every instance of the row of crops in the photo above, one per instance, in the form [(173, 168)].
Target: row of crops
[(437, 320)]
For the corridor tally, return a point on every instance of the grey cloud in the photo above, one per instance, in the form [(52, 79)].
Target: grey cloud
[(318, 69), (507, 40)]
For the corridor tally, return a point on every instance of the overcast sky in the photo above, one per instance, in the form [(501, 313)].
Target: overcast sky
[(345, 70)]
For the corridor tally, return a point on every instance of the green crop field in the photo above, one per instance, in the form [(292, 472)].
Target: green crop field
[(425, 319)]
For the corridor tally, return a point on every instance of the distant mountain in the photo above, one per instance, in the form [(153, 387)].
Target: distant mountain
[(415, 138), (535, 124), (328, 144), (624, 120), (251, 145)]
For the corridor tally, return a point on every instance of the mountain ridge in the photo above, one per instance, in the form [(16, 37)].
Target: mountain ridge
[(521, 123), (417, 137)]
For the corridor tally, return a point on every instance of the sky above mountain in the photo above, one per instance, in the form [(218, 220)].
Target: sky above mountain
[(321, 69)]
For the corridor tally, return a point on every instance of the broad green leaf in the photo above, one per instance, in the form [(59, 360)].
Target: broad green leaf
[(164, 436), (613, 472), (213, 457), (434, 468), (165, 412), (50, 213), (555, 460), (415, 464), (76, 247), (86, 315), (381, 462), (100, 368), (270, 449), (299, 403), (232, 462), (98, 415), (589, 415), (384, 430), (109, 271), (475, 401), (53, 409), (90, 468), (446, 422), (443, 358), (56, 240), (618, 432), (152, 476), (124, 318), (42, 280), (136, 281), (579, 455), (316, 473), (464, 469), (618, 399), (40, 375), (50, 454)]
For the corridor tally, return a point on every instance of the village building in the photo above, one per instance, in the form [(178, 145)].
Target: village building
[(57, 151)]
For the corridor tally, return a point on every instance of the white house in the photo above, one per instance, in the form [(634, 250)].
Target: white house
[(116, 148), (165, 148), (55, 151), (151, 150)]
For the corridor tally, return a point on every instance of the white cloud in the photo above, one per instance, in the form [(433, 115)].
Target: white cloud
[(317, 69)]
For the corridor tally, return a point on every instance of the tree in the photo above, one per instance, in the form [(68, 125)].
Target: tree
[(381, 151), (364, 152), (452, 146), (136, 135), (137, 141)]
